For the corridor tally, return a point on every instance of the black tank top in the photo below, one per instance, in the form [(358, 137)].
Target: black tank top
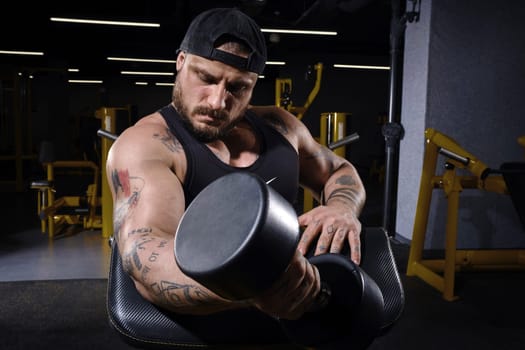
[(278, 162)]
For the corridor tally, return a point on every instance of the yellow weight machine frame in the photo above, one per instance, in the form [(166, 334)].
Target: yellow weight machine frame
[(440, 273), (56, 213), (283, 92)]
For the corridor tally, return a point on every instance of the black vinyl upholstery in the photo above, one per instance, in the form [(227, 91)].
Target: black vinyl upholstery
[(379, 263), (143, 325), (514, 176)]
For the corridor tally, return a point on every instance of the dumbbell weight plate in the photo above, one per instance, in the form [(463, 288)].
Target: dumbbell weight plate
[(237, 236), (355, 306)]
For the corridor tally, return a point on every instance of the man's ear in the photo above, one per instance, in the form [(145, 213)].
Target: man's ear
[(180, 60)]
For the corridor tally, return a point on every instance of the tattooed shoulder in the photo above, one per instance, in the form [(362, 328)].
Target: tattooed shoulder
[(321, 152), (169, 140), (276, 122)]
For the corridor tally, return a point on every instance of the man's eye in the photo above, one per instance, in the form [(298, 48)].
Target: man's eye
[(205, 78), (237, 89), (208, 80)]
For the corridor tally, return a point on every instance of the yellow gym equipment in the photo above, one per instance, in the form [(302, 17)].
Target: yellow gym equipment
[(61, 206), (283, 92), (59, 209), (440, 273)]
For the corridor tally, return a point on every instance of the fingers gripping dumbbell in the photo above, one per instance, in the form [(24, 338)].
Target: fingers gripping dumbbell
[(239, 235)]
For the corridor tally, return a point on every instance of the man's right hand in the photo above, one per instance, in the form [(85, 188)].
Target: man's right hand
[(294, 293)]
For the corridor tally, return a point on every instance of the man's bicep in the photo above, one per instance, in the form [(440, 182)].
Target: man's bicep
[(146, 196)]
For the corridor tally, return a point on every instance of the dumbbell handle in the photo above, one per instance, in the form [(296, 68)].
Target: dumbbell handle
[(340, 294), (322, 299)]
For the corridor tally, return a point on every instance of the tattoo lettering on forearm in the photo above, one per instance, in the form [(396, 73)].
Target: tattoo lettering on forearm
[(169, 141), (153, 257), (140, 230), (132, 262), (175, 294), (134, 255), (144, 273), (344, 194), (144, 239)]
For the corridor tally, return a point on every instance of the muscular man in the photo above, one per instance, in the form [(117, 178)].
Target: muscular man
[(156, 167)]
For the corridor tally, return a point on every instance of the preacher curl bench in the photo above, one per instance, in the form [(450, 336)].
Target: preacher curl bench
[(142, 324)]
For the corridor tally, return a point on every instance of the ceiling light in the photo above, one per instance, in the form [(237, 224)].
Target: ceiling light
[(85, 81), (154, 60), (35, 53), (146, 73), (275, 63), (164, 84), (293, 31), (73, 70), (354, 66), (93, 21), (141, 83)]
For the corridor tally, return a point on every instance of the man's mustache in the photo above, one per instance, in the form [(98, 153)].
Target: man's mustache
[(215, 113)]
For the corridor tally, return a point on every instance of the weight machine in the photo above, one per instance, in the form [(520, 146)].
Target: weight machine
[(72, 195), (508, 180), (283, 93)]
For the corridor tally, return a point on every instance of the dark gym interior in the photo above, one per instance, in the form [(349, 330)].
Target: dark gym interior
[(438, 111)]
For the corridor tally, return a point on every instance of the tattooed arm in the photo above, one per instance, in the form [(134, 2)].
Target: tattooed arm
[(333, 181), (143, 172)]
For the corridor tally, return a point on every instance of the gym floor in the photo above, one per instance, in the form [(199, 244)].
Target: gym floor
[(27, 254), (488, 315)]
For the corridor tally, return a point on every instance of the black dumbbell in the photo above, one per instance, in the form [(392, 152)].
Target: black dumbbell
[(236, 238)]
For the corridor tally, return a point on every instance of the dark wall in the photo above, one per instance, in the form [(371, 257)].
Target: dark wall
[(474, 79), (476, 97)]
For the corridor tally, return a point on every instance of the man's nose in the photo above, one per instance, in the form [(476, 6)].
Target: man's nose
[(217, 97)]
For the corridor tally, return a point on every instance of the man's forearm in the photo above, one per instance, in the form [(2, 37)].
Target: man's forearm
[(345, 186), (149, 260)]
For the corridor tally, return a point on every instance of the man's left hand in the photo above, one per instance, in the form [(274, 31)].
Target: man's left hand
[(331, 225)]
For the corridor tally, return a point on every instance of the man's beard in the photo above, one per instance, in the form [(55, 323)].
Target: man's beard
[(207, 133)]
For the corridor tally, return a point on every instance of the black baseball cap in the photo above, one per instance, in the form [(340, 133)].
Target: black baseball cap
[(209, 26)]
